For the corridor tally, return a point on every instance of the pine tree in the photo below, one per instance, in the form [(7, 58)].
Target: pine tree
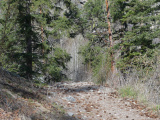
[(7, 34), (32, 23), (137, 41)]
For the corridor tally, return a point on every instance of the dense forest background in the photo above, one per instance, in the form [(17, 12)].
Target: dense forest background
[(121, 49)]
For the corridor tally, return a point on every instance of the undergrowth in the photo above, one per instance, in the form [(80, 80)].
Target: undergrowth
[(59, 108), (128, 91)]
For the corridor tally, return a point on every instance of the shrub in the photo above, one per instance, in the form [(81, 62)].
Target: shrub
[(128, 92)]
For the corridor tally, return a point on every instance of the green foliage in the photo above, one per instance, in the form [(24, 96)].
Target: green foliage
[(95, 24), (98, 61), (60, 26), (96, 52), (55, 64), (91, 55), (38, 83), (158, 107), (59, 108), (94, 9), (128, 92), (11, 66), (24, 30), (117, 8), (75, 20), (137, 49)]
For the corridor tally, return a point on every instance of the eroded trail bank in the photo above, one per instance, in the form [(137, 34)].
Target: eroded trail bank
[(87, 101)]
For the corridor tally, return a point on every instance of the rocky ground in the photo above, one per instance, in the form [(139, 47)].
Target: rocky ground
[(87, 101), (22, 100)]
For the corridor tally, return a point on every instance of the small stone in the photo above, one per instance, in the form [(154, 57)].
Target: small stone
[(49, 97), (70, 114), (70, 99), (52, 93), (127, 103), (79, 116), (99, 92)]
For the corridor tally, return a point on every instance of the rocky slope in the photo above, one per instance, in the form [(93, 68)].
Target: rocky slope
[(22, 100)]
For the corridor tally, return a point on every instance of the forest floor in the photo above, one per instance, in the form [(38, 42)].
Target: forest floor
[(22, 100), (87, 101)]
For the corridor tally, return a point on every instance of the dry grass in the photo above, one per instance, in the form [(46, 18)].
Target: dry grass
[(145, 85), (12, 107)]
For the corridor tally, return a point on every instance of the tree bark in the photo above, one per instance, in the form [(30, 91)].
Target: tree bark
[(110, 35), (28, 41)]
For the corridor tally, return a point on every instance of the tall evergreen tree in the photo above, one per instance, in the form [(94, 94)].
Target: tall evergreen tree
[(141, 26), (32, 21), (7, 32)]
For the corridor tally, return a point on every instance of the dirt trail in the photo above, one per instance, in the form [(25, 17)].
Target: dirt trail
[(87, 101)]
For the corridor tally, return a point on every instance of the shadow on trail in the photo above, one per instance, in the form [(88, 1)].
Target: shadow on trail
[(67, 118), (52, 116), (25, 93), (77, 89)]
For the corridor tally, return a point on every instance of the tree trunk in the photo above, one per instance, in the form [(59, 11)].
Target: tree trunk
[(110, 35), (28, 41)]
